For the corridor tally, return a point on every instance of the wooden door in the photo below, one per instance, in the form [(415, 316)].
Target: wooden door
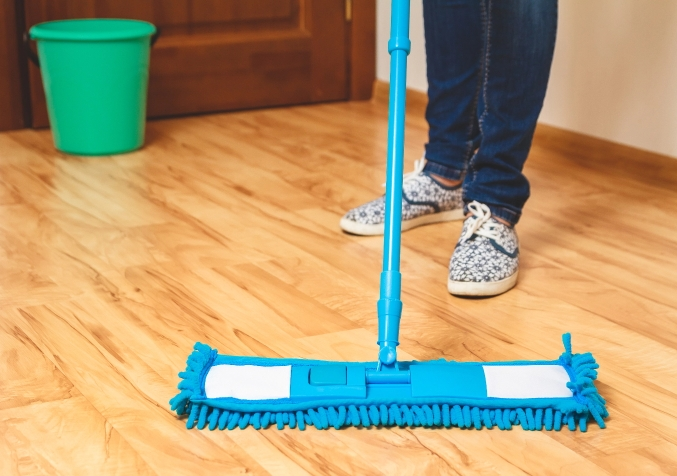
[(217, 55), (11, 104)]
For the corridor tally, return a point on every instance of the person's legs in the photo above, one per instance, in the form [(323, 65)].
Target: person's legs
[(454, 51), (519, 40), (488, 66)]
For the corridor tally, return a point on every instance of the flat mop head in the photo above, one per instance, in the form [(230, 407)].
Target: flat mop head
[(227, 392)]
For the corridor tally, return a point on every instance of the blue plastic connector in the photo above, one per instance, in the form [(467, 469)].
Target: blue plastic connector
[(389, 304), (389, 315)]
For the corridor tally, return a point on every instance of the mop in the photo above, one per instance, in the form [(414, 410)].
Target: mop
[(228, 392)]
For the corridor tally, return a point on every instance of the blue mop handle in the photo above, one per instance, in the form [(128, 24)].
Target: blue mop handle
[(389, 304)]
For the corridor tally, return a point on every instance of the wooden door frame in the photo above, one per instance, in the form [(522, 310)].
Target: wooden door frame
[(14, 98), (361, 61), (362, 49)]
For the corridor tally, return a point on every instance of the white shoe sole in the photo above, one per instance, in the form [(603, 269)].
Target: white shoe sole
[(367, 230), (491, 288)]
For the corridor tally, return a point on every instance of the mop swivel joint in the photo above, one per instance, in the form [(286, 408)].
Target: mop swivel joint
[(387, 355)]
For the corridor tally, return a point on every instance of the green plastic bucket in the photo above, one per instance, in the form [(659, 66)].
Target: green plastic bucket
[(95, 74)]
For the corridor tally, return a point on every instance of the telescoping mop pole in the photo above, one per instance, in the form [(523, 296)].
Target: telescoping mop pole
[(389, 304)]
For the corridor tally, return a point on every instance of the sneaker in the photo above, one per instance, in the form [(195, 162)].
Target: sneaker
[(486, 259), (424, 201)]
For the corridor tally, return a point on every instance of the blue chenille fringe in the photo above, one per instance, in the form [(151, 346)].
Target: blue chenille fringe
[(582, 367)]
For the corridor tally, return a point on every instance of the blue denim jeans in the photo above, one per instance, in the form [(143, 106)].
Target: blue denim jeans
[(488, 68)]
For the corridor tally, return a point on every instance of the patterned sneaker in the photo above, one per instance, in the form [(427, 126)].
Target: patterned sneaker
[(424, 201), (486, 259)]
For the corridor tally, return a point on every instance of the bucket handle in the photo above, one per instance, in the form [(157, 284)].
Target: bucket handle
[(33, 56), (156, 35)]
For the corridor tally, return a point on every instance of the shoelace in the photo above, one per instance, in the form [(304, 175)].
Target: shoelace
[(418, 168), (480, 224)]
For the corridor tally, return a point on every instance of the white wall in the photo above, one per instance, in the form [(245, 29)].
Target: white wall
[(416, 75), (614, 75)]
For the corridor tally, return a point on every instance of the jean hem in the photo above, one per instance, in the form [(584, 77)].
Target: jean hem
[(443, 171)]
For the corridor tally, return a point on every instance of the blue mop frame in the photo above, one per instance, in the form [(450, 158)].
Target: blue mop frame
[(393, 410), (387, 384)]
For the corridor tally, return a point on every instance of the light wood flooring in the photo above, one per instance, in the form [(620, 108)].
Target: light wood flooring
[(224, 229)]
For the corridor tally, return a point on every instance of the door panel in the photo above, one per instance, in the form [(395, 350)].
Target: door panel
[(216, 55)]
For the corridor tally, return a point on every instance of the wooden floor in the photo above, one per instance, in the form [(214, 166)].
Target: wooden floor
[(224, 229)]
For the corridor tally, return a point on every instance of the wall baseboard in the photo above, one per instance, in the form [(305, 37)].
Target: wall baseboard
[(612, 158), (416, 100)]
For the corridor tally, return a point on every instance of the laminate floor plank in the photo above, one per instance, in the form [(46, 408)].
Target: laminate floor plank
[(118, 380), (64, 437)]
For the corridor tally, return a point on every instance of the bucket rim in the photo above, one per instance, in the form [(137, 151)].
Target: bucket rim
[(126, 29)]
